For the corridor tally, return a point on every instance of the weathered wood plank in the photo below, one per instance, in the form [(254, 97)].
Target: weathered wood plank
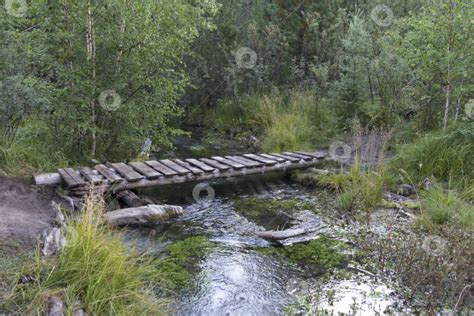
[(200, 165), (90, 176), (289, 158), (228, 162), (126, 171), (278, 159), (173, 165), (158, 166), (71, 177), (214, 175), (246, 162), (266, 161), (215, 164), (145, 170), (293, 154), (109, 174), (188, 166)]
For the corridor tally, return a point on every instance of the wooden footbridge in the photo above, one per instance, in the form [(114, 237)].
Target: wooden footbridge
[(116, 177)]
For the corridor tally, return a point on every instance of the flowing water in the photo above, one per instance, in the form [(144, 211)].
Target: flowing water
[(236, 277)]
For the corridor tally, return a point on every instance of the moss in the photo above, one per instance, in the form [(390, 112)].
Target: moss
[(322, 251), (272, 213), (175, 272)]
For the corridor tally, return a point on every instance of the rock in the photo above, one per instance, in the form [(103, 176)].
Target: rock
[(427, 184), (406, 189), (143, 215), (54, 242), (55, 306)]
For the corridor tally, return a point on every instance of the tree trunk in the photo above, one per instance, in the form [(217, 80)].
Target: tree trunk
[(90, 42), (446, 107)]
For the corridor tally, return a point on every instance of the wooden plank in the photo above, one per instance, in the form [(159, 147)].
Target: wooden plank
[(71, 177), (278, 159), (145, 170), (266, 161), (200, 165), (109, 173), (215, 164), (246, 162), (290, 158), (158, 166), (317, 154), (171, 164), (126, 171), (228, 162), (188, 166), (89, 175), (301, 156)]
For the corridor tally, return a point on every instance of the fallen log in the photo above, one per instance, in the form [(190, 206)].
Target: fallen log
[(281, 234), (130, 199), (142, 215)]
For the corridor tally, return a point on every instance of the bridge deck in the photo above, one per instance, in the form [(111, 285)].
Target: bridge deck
[(121, 176)]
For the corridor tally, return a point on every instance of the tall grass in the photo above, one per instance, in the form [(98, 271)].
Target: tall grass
[(95, 268), (298, 120), (440, 207), (30, 152), (447, 156)]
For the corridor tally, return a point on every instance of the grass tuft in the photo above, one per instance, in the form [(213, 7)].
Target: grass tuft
[(95, 268)]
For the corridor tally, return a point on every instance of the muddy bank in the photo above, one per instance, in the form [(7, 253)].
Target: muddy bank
[(25, 211)]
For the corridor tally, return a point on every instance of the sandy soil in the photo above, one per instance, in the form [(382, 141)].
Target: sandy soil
[(25, 211)]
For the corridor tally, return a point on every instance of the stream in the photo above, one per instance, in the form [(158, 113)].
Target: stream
[(236, 277)]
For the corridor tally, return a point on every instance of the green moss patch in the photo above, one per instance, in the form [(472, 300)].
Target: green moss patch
[(323, 251), (175, 272), (271, 213)]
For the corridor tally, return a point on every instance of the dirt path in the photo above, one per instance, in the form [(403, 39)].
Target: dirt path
[(25, 211)]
